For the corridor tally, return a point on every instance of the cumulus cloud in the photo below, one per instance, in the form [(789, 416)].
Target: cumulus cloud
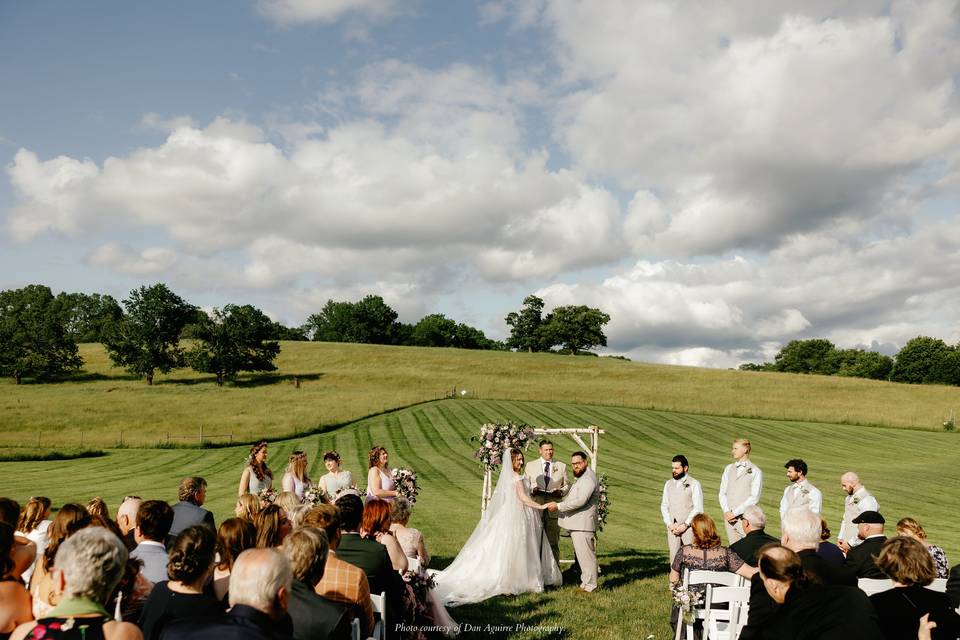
[(124, 259), (294, 12)]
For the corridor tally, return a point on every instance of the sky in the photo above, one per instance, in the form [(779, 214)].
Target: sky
[(720, 178)]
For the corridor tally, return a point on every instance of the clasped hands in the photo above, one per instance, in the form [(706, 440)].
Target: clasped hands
[(677, 528), (550, 506), (553, 494)]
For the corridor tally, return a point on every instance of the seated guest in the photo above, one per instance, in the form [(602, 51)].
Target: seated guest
[(272, 527), (24, 551), (189, 511), (810, 611), (235, 536), (909, 564), (288, 501), (70, 519), (410, 539), (14, 597), (953, 586), (127, 520), (801, 534), (190, 563), (861, 557), (296, 516), (375, 525), (341, 581), (313, 616), (154, 518), (248, 506), (747, 547), (87, 567), (32, 525), (98, 507), (912, 529), (259, 591), (827, 550)]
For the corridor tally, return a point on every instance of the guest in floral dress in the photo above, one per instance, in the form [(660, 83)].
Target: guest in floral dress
[(912, 529)]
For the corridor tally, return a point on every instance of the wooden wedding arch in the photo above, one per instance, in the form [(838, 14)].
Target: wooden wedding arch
[(593, 449)]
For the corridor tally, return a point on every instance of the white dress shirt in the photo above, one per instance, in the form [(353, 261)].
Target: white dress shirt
[(816, 497), (697, 496), (865, 502), (756, 487)]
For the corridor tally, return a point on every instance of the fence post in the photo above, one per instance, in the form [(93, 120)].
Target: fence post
[(201, 435), (121, 437), (39, 433), (81, 439)]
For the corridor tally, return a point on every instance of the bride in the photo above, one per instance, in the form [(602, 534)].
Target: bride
[(507, 552)]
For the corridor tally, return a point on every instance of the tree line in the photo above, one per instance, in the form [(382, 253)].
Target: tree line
[(155, 330), (922, 360)]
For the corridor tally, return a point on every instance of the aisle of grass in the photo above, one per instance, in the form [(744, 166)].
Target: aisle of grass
[(897, 465), (344, 382)]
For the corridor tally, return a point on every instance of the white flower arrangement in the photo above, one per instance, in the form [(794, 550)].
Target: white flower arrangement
[(496, 437), (405, 480)]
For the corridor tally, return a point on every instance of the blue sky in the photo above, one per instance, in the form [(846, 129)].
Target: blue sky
[(719, 180)]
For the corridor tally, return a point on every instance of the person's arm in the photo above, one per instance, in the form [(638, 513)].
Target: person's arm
[(724, 504), (665, 506), (376, 486), (746, 571), (756, 487), (816, 501), (286, 483), (869, 504), (20, 633), (564, 484), (244, 482), (783, 503), (422, 554), (524, 498), (397, 557), (579, 495), (697, 491)]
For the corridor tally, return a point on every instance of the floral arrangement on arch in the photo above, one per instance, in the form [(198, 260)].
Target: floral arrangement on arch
[(405, 481), (603, 502), (499, 436)]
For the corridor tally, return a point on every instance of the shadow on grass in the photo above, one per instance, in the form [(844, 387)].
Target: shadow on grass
[(246, 383)]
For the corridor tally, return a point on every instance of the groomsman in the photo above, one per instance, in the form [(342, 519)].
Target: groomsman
[(548, 479), (800, 493), (740, 487), (857, 501), (682, 499)]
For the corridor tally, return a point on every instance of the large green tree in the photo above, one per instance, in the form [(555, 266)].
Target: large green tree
[(525, 326), (234, 339), (88, 317), (575, 328), (370, 321), (857, 363), (437, 330), (147, 338), (921, 360), (807, 356), (34, 342)]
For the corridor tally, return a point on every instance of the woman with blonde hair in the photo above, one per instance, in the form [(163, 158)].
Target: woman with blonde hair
[(247, 507), (256, 476), (288, 501), (912, 529), (296, 479), (380, 485), (70, 519), (97, 507), (34, 523)]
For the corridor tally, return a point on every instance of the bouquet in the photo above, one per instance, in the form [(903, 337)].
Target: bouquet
[(687, 600), (603, 502), (406, 484), (421, 581), (497, 437), (267, 496), (314, 496)]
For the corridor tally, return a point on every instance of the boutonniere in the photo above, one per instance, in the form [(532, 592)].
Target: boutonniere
[(749, 469), (686, 485), (856, 501), (804, 490)]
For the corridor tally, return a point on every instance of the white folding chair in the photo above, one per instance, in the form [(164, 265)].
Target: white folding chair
[(699, 576), (871, 586), (379, 603), (725, 624), (355, 629), (413, 564), (940, 584)]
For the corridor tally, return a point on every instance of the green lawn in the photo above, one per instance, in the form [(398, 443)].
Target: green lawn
[(912, 473)]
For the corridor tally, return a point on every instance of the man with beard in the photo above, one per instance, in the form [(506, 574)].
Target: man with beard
[(800, 494), (578, 515), (682, 499), (857, 501)]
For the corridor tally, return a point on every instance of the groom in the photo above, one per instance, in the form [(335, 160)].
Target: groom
[(578, 515)]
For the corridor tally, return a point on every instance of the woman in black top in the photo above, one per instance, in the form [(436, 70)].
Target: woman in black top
[(190, 564)]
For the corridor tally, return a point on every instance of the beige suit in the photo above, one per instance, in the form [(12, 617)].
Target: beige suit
[(541, 493), (740, 487), (578, 515)]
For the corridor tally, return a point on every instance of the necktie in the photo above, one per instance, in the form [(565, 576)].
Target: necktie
[(546, 475)]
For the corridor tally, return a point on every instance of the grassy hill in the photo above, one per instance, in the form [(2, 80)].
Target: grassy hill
[(434, 438), (343, 382)]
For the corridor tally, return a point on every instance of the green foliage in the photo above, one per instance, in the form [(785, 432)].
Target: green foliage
[(923, 360), (857, 363), (147, 339), (575, 328), (34, 342), (525, 334), (754, 366), (369, 321), (237, 338), (292, 334), (807, 356), (437, 330), (88, 317)]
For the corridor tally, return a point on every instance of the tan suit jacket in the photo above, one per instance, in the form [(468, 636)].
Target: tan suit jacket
[(558, 479)]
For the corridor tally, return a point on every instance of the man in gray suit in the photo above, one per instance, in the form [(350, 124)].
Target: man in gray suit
[(578, 515), (189, 511), (153, 523)]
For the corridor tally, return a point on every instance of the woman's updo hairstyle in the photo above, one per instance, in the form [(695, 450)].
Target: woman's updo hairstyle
[(374, 456), (192, 554), (332, 455)]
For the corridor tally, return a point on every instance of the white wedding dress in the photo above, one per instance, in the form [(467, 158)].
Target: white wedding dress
[(507, 552)]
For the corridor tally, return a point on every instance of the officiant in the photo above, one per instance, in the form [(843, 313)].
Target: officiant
[(548, 482)]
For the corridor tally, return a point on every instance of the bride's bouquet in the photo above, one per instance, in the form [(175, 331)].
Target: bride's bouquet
[(497, 437), (603, 502), (406, 484)]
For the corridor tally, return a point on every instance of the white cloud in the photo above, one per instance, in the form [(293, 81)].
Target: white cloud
[(294, 12), (124, 259)]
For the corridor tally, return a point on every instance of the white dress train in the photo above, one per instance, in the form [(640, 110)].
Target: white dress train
[(507, 553)]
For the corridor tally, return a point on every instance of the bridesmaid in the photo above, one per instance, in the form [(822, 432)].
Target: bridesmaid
[(256, 476), (296, 480), (336, 478), (379, 481)]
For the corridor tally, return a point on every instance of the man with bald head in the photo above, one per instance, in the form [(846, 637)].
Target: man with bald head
[(857, 501), (127, 520)]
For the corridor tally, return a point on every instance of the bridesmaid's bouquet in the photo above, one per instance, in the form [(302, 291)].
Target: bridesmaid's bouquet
[(314, 496), (603, 502), (406, 484), (421, 581), (497, 437), (267, 496)]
